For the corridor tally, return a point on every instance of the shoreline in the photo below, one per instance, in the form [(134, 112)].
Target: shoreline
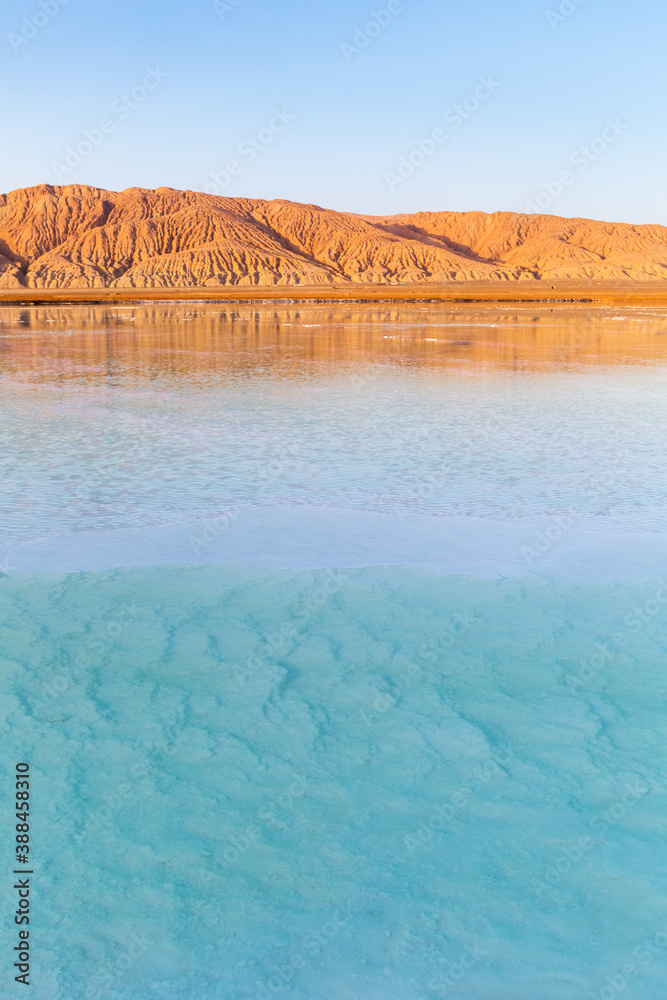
[(492, 293), (307, 537)]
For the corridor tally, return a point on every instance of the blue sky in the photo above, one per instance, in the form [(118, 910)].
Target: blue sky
[(300, 104)]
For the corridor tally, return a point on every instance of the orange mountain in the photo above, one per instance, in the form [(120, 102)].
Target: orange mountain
[(85, 237)]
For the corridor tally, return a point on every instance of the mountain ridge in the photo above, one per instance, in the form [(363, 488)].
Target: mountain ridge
[(78, 236)]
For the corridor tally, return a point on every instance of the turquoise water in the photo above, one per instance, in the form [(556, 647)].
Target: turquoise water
[(336, 730)]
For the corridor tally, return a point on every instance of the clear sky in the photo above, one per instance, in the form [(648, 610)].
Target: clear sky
[(323, 101)]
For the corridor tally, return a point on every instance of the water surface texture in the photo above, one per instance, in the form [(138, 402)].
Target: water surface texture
[(335, 636), (154, 414)]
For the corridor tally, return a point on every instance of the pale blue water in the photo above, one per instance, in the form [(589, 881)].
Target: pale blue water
[(364, 780)]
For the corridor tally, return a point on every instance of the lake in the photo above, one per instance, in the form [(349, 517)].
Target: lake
[(335, 636)]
